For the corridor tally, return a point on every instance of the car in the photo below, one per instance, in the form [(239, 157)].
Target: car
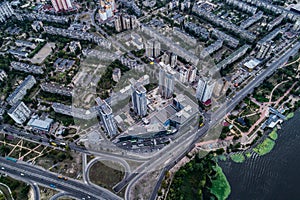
[(22, 174), (2, 168)]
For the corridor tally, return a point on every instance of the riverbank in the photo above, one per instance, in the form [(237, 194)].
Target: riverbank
[(220, 185), (265, 147), (237, 157), (201, 178), (272, 176), (290, 116)]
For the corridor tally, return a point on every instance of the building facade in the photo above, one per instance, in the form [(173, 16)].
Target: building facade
[(166, 81), (106, 117), (139, 100), (125, 22), (152, 48), (205, 89)]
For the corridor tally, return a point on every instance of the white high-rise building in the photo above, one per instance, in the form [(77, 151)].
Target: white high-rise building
[(106, 117), (139, 100), (6, 11), (166, 81), (205, 89)]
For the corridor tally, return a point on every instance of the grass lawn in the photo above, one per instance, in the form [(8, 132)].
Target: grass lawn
[(265, 147), (273, 135), (253, 119), (290, 116), (106, 174), (237, 157), (220, 186)]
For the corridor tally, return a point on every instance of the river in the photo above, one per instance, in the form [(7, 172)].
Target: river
[(273, 176)]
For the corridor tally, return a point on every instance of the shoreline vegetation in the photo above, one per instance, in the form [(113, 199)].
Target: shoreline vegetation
[(237, 157), (290, 116), (273, 135), (220, 186), (201, 178), (265, 147)]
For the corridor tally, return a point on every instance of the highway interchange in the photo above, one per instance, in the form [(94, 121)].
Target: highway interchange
[(160, 160)]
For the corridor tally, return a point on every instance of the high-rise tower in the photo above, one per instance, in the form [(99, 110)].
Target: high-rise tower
[(139, 100), (106, 117)]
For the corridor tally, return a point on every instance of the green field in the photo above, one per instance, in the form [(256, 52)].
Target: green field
[(273, 135), (220, 186), (237, 157), (265, 147)]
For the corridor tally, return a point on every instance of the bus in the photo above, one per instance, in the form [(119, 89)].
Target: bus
[(53, 144), (11, 159)]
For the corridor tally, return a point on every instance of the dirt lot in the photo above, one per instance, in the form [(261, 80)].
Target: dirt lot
[(102, 174), (43, 53)]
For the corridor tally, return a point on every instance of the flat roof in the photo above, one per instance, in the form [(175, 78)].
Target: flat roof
[(43, 124), (251, 64)]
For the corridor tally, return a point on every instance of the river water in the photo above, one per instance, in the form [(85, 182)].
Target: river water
[(273, 176)]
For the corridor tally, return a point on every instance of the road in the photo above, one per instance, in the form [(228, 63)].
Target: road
[(45, 178), (168, 156), (215, 118), (222, 111), (10, 130), (36, 189), (59, 195)]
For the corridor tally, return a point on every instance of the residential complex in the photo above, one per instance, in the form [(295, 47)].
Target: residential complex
[(143, 86)]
